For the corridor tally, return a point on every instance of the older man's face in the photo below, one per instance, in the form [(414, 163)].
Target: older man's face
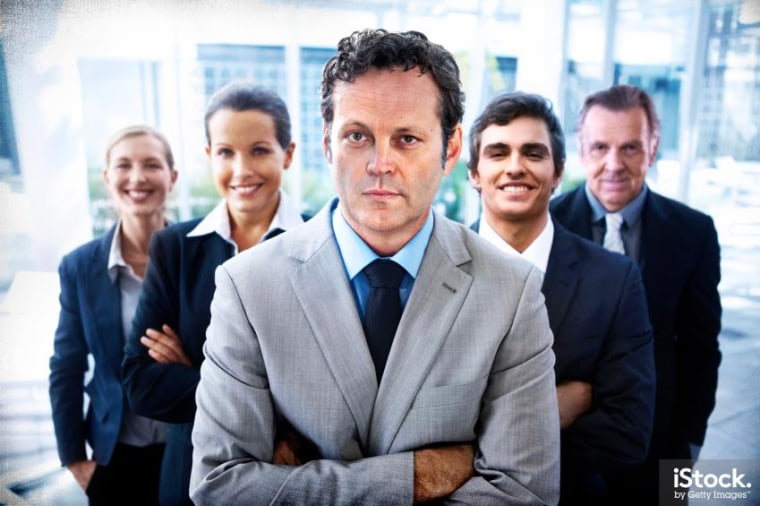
[(617, 148)]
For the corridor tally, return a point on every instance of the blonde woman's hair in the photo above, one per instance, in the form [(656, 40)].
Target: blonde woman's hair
[(136, 131)]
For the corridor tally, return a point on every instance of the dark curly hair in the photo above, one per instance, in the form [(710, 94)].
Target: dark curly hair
[(381, 49)]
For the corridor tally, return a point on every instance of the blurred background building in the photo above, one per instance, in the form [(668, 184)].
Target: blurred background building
[(74, 71)]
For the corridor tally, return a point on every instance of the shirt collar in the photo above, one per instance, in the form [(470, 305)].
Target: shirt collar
[(357, 254), (631, 212), (538, 251), (218, 220), (115, 258)]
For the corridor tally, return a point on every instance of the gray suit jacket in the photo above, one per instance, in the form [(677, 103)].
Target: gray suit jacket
[(471, 362)]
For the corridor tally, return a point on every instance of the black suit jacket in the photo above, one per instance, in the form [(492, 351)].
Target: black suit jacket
[(177, 291), (602, 335), (680, 265)]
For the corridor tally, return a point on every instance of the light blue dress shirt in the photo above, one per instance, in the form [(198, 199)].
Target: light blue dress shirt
[(356, 255)]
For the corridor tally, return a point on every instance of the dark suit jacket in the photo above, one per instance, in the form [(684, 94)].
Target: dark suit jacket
[(177, 291), (89, 323), (597, 312), (680, 266)]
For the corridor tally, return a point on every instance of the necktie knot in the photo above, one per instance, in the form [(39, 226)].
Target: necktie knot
[(384, 274), (614, 221)]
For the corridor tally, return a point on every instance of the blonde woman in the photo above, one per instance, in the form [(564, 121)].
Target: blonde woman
[(100, 284)]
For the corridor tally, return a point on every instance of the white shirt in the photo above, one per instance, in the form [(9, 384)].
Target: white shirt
[(135, 430), (217, 221), (537, 253)]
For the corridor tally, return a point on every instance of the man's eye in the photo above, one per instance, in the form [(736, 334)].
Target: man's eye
[(355, 137), (493, 153)]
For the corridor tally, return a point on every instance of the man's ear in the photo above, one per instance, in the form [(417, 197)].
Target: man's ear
[(326, 142), (453, 149), (655, 147), (557, 181), (474, 178)]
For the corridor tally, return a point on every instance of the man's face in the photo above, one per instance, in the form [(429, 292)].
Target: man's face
[(617, 148), (515, 173), (384, 146)]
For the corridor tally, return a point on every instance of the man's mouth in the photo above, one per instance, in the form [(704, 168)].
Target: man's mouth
[(380, 192), (514, 188)]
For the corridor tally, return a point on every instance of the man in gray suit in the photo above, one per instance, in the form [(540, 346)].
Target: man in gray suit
[(463, 408)]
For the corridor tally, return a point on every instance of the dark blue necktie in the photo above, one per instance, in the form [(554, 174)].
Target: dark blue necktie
[(383, 310)]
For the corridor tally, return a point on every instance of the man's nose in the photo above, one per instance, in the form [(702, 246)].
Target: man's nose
[(382, 160), (513, 164), (613, 160)]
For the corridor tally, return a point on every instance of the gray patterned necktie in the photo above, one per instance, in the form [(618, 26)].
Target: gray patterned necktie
[(612, 239)]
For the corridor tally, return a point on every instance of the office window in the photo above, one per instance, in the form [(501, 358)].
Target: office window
[(8, 156), (731, 94), (663, 84), (316, 181), (222, 63), (504, 74)]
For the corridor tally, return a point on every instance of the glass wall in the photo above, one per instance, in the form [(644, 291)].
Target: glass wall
[(68, 82), (699, 62), (730, 106), (8, 159)]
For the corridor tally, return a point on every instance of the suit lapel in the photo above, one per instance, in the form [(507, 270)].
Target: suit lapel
[(105, 300), (328, 303), (439, 291), (561, 278), (579, 218)]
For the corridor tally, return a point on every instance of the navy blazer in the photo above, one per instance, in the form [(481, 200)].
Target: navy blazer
[(89, 323), (680, 267), (602, 335), (177, 291)]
